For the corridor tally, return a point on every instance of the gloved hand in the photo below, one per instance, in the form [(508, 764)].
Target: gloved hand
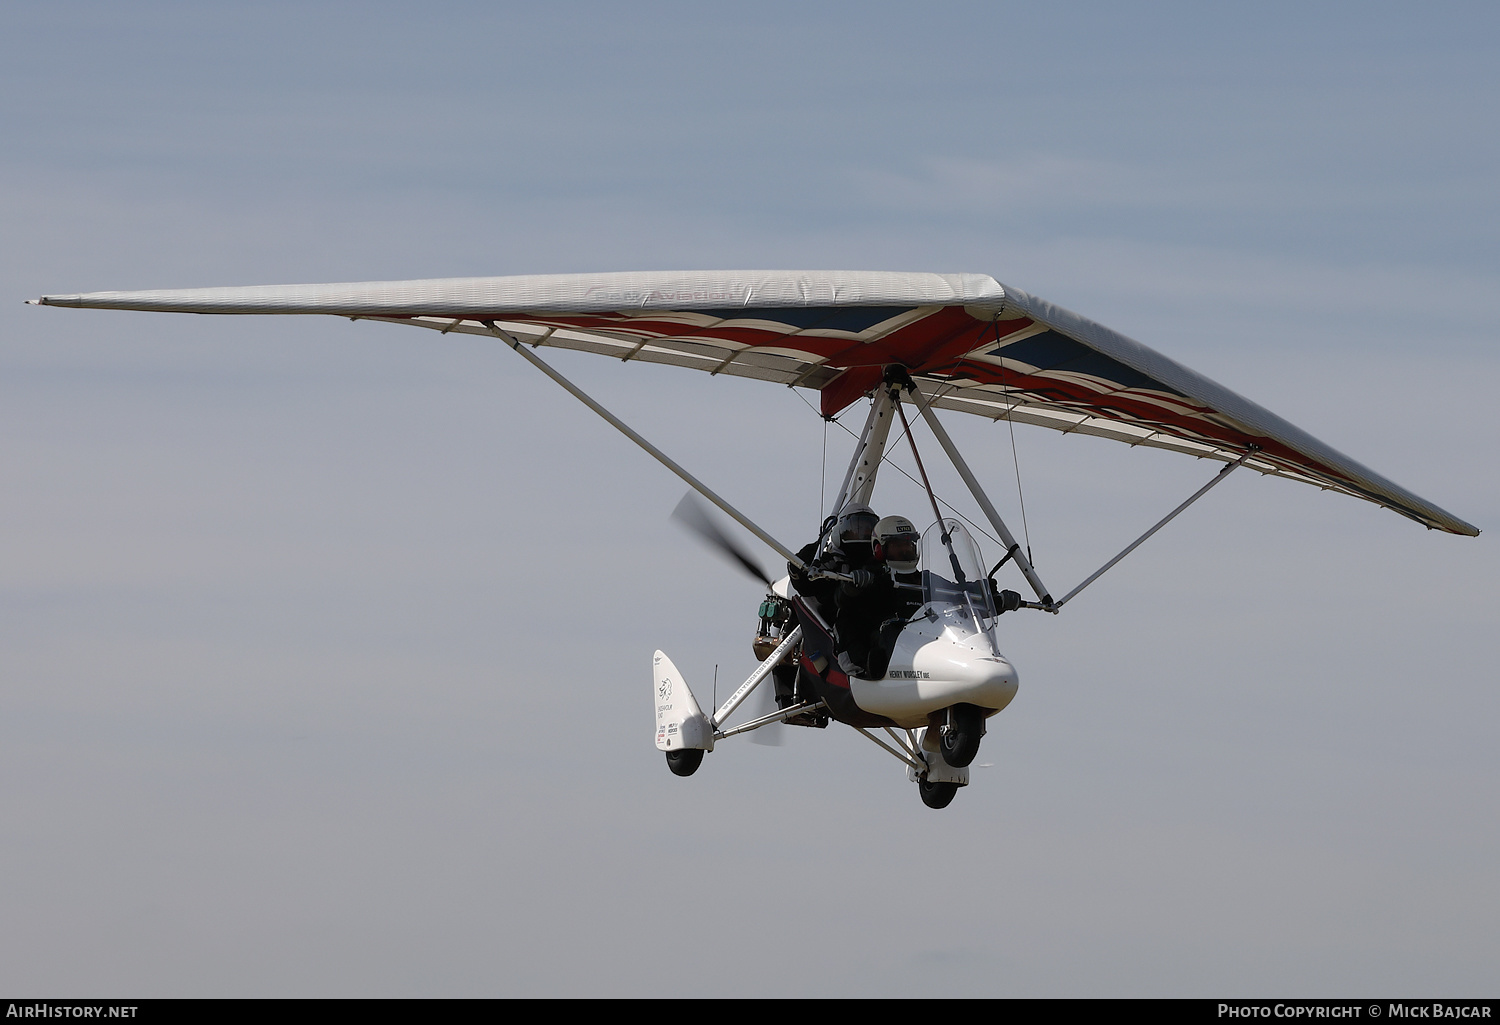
[(1005, 601)]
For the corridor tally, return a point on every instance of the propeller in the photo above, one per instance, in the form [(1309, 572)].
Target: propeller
[(692, 515), (763, 702)]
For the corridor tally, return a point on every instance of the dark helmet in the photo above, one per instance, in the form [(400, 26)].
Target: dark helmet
[(855, 533)]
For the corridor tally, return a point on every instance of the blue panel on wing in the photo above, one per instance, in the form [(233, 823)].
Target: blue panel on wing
[(1052, 351), (853, 319)]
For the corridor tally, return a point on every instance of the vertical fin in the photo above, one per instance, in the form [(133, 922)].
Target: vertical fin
[(680, 723)]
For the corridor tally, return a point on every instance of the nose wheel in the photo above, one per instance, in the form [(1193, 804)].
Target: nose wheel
[(936, 795), (960, 737)]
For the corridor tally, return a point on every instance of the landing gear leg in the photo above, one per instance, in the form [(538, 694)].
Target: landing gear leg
[(685, 761), (937, 779)]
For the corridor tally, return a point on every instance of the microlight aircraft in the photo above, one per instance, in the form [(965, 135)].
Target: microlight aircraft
[(961, 342)]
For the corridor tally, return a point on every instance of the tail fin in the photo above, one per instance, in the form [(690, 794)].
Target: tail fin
[(680, 723)]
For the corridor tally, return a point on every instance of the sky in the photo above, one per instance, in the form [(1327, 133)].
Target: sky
[(324, 646)]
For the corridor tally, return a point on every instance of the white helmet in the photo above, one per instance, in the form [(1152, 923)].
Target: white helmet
[(898, 544)]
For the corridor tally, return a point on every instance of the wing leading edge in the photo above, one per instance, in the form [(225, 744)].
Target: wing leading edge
[(974, 345)]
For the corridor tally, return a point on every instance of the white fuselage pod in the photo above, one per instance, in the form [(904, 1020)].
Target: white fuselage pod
[(935, 665)]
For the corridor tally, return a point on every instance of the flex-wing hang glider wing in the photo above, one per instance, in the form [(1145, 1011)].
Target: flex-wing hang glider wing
[(973, 344)]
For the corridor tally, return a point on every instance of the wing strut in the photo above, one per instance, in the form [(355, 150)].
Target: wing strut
[(1013, 548), (869, 453), (1165, 520), (658, 454)]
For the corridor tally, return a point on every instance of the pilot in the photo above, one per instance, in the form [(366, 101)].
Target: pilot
[(871, 617), (899, 547)]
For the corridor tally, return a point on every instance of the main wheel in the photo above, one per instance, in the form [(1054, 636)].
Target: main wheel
[(936, 795), (960, 738), (684, 761)]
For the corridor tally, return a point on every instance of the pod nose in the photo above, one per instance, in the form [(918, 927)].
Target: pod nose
[(1001, 681)]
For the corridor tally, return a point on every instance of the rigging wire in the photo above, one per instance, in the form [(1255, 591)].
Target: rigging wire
[(887, 458), (1015, 460), (823, 478), (884, 456)]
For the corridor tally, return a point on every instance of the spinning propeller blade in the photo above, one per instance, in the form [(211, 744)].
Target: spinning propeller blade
[(691, 514), (763, 702)]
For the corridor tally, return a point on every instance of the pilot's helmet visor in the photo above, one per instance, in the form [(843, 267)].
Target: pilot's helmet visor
[(900, 550)]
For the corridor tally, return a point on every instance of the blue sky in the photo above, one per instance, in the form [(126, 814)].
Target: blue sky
[(326, 643)]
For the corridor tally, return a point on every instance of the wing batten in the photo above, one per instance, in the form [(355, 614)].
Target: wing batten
[(991, 350)]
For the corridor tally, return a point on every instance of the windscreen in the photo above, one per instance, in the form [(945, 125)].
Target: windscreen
[(953, 579)]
